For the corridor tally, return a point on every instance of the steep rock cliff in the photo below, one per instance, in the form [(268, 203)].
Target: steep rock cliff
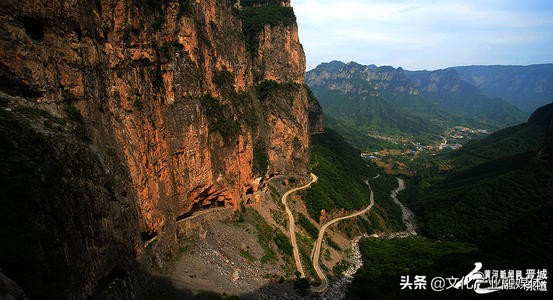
[(154, 109), (355, 78)]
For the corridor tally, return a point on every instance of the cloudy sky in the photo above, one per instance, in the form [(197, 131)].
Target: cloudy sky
[(426, 34)]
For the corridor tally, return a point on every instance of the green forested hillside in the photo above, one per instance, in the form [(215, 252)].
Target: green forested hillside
[(341, 172), (385, 261), (446, 89), (473, 204), (510, 141), (373, 113), (354, 116), (354, 135), (498, 182), (493, 208), (394, 102)]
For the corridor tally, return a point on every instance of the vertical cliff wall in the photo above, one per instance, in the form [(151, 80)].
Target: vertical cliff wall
[(147, 110)]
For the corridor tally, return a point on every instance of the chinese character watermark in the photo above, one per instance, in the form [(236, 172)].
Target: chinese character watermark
[(482, 282)]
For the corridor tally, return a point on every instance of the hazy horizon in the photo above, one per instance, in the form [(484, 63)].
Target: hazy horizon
[(455, 66), (426, 34)]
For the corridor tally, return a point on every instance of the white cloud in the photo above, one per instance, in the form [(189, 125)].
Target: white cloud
[(432, 33)]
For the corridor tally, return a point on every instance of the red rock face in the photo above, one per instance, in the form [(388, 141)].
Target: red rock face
[(167, 91)]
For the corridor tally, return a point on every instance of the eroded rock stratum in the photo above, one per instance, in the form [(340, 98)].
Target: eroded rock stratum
[(118, 117)]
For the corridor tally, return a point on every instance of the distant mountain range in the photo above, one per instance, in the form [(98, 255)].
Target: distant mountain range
[(527, 87), (396, 101), (446, 89)]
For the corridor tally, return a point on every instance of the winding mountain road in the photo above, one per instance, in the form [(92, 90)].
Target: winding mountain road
[(292, 224), (324, 281), (202, 213)]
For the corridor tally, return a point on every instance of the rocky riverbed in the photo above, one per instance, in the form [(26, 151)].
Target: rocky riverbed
[(338, 288), (407, 215)]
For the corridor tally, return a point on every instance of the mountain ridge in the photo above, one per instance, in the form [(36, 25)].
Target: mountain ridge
[(398, 102), (527, 87), (446, 88)]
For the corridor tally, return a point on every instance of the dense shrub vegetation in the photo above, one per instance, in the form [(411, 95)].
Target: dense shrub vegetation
[(471, 205), (495, 181), (255, 18), (308, 226), (271, 88), (385, 206), (218, 115), (339, 168), (341, 172), (267, 235), (385, 261)]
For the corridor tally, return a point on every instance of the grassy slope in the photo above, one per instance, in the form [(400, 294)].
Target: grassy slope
[(385, 261), (376, 113), (340, 170)]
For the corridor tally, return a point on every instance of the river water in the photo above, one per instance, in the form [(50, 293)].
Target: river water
[(338, 288)]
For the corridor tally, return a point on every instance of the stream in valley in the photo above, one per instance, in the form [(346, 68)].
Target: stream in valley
[(338, 288)]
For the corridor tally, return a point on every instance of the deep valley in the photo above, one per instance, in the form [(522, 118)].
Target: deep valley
[(178, 149)]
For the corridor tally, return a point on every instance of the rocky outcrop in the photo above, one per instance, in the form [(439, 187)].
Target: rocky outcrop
[(440, 82), (315, 113), (359, 79), (169, 108), (69, 216)]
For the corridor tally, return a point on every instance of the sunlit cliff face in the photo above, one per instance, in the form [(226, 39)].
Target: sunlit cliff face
[(167, 95)]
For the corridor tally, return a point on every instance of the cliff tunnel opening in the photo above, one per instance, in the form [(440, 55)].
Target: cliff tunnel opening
[(202, 205), (148, 235), (13, 85), (34, 28)]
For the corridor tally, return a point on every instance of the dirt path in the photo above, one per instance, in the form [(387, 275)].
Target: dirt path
[(292, 224), (324, 281), (202, 213)]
